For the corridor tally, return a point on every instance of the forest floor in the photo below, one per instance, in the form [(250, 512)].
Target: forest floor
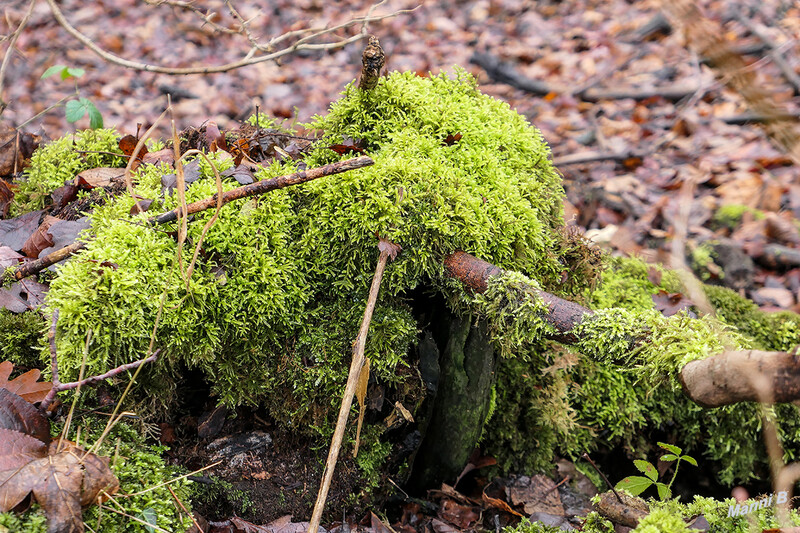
[(651, 138)]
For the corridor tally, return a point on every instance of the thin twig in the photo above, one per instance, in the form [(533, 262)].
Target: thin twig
[(259, 187), (249, 59), (350, 388), (602, 475), (12, 42)]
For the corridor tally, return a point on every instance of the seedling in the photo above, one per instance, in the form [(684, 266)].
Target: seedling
[(79, 107), (638, 484)]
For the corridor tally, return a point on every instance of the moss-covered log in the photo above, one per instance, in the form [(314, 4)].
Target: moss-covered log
[(722, 379)]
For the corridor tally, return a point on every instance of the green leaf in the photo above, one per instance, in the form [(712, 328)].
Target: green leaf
[(634, 484), (55, 69), (646, 468), (75, 110), (670, 447), (669, 457), (149, 515), (95, 118), (689, 459), (663, 491), (72, 73)]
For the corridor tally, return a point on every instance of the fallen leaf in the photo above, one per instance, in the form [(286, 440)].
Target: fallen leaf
[(671, 303), (450, 140), (15, 231), (64, 194), (462, 516), (8, 257), (23, 295), (6, 196), (385, 245), (62, 477), (40, 239), (348, 146), (16, 414), (498, 504), (27, 386), (98, 177)]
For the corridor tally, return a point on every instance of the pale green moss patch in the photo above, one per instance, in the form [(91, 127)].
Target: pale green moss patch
[(59, 161)]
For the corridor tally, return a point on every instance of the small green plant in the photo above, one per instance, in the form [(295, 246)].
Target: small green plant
[(77, 108), (638, 484)]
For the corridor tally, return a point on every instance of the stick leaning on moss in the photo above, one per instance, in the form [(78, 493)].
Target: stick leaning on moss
[(253, 189), (728, 377)]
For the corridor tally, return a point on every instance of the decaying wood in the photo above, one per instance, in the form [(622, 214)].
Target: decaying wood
[(724, 379), (33, 267), (372, 61), (710, 382), (264, 186), (259, 187), (627, 513)]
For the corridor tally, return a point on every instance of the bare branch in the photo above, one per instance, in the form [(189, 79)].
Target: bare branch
[(250, 58), (12, 42)]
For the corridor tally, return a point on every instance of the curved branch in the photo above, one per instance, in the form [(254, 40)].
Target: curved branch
[(724, 379), (249, 59)]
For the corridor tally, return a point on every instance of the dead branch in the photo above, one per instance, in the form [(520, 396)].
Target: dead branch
[(264, 186), (387, 250), (504, 72), (259, 187), (258, 53), (34, 267), (593, 157), (372, 61), (713, 382), (709, 383), (774, 51), (60, 387), (12, 42)]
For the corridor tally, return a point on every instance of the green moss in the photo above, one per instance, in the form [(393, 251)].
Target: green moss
[(730, 215), (32, 521), (58, 161), (768, 331), (276, 298), (141, 471), (702, 258), (526, 526), (21, 338)]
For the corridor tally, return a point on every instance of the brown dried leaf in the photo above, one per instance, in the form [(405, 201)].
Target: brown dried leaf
[(40, 239), (15, 231), (387, 246), (98, 177), (6, 196), (18, 415), (361, 394), (128, 145), (18, 449), (498, 504), (167, 155), (671, 303), (27, 386), (781, 229), (462, 516)]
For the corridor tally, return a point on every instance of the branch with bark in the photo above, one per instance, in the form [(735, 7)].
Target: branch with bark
[(727, 378), (253, 189), (60, 387), (288, 43)]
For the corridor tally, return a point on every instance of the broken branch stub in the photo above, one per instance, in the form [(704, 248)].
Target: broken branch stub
[(724, 379), (372, 61)]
